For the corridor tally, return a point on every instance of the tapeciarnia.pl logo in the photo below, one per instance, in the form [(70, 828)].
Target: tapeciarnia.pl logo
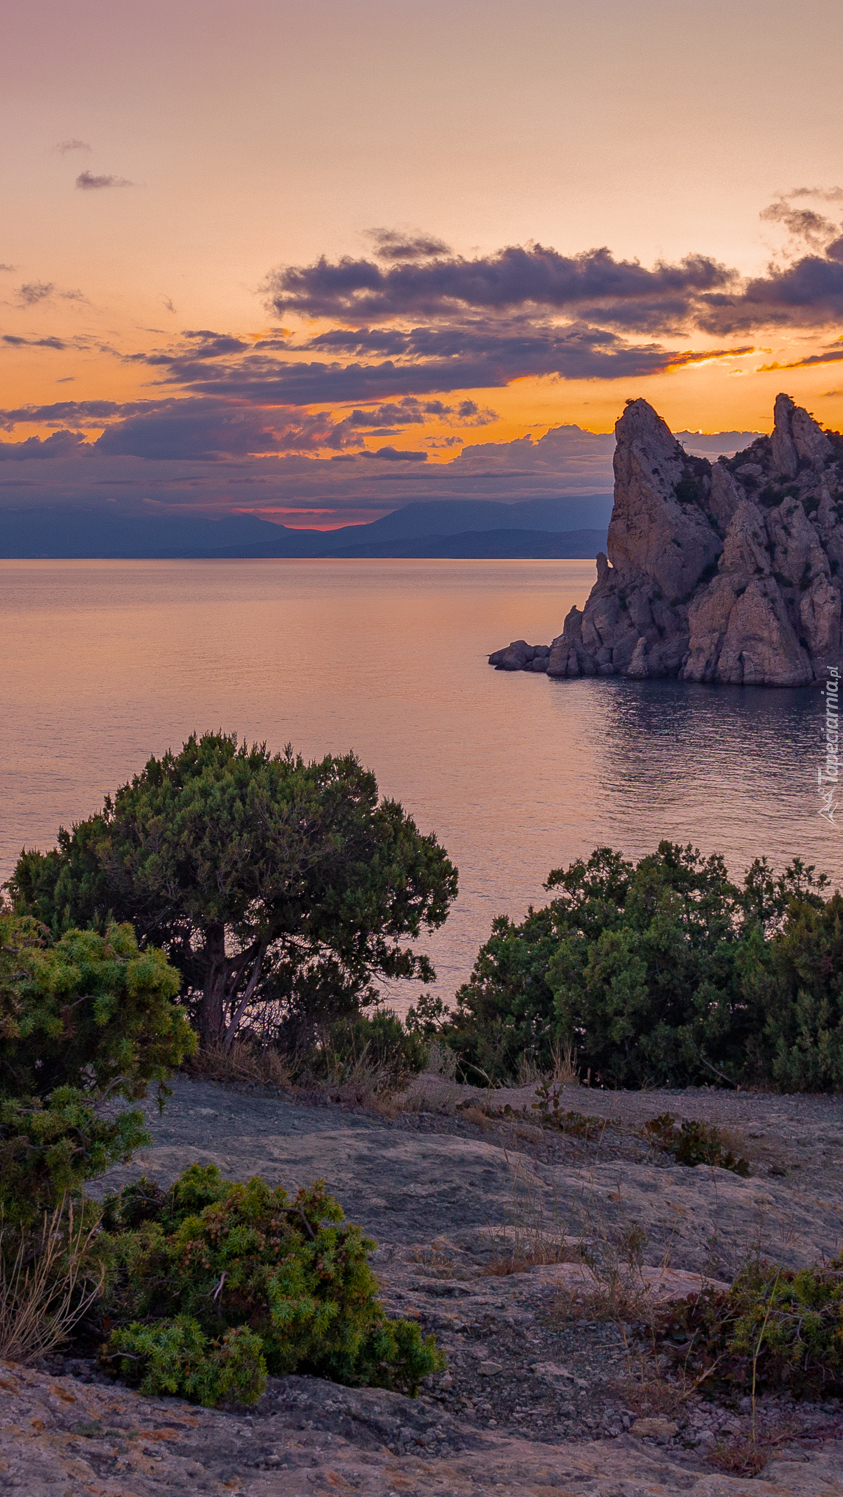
[(828, 773)]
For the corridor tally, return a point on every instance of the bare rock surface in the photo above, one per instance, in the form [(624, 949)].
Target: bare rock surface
[(729, 572), (60, 1437), (539, 1396)]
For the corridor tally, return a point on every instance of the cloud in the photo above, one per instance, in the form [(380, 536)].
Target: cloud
[(34, 291), (388, 306), (802, 223), (71, 145), (215, 430), (829, 356), (88, 182), (60, 412), (413, 412), (393, 455), (16, 342), (472, 355), (391, 244), (9, 268), (60, 444), (516, 277), (805, 294)]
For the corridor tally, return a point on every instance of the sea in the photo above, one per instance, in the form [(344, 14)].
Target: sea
[(107, 662)]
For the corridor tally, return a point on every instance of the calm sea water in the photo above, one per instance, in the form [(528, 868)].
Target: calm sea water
[(106, 662)]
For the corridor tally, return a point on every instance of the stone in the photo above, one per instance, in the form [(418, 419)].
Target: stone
[(654, 1429), (796, 436), (760, 647), (657, 528), (729, 573), (725, 495)]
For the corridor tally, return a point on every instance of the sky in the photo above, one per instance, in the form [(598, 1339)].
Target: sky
[(313, 260)]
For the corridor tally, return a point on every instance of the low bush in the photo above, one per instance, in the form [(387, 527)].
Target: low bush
[(220, 1283), (693, 1143), (663, 973), (774, 1327), (174, 1357), (86, 1021), (379, 1041), (552, 1115)]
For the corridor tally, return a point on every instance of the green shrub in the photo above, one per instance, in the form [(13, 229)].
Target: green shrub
[(665, 973), (799, 992), (174, 1357), (506, 1012), (551, 1115), (84, 1021), (379, 1041), (210, 1257), (693, 1143), (773, 1327)]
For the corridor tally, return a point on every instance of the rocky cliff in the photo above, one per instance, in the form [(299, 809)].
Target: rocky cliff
[(729, 571)]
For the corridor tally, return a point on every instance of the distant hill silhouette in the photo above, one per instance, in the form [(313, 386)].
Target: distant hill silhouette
[(488, 544), (475, 527)]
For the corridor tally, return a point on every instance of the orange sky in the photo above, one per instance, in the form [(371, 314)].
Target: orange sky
[(162, 163)]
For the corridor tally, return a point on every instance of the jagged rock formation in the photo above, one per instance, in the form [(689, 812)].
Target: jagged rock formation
[(728, 572)]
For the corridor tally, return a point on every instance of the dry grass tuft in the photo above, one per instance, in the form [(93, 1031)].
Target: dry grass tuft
[(46, 1284), (441, 1061), (520, 1256), (362, 1083), (243, 1063), (649, 1397), (563, 1070), (743, 1456), (537, 1233)]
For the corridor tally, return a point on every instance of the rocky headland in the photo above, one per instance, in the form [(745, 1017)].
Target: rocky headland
[(726, 572)]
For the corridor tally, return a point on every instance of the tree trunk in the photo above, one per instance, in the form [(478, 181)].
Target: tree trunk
[(211, 1018), (221, 1011)]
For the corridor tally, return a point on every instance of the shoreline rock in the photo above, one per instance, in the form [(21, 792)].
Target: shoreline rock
[(728, 572)]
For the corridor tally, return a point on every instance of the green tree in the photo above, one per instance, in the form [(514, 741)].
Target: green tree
[(86, 1022), (652, 971), (274, 885), (797, 992)]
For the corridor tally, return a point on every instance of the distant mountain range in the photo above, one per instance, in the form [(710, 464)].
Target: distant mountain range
[(461, 528)]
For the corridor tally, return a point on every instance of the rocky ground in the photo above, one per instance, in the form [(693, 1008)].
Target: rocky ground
[(548, 1388)]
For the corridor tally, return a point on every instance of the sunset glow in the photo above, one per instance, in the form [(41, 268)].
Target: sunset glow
[(293, 261)]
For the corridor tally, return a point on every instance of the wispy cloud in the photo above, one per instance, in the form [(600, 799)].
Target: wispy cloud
[(392, 244), (15, 341), (89, 182), (31, 293), (63, 146)]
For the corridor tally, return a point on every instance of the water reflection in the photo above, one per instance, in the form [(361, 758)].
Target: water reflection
[(107, 662), (728, 768)]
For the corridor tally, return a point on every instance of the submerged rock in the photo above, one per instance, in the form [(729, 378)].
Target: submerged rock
[(728, 572)]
